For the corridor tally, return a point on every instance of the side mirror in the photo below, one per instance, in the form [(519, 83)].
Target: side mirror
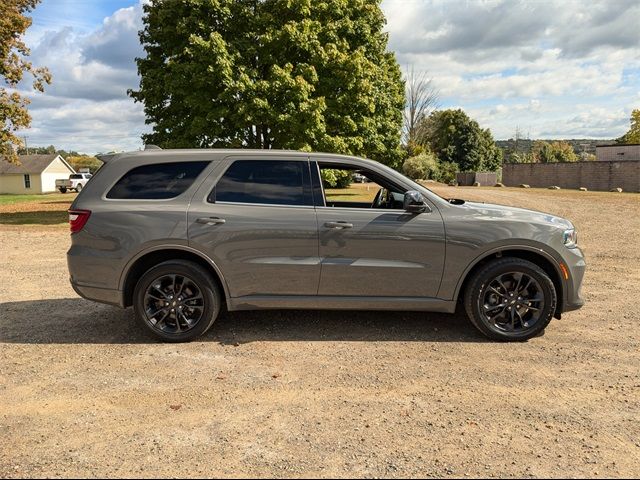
[(414, 202)]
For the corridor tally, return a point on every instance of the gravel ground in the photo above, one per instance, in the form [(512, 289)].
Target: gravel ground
[(324, 394)]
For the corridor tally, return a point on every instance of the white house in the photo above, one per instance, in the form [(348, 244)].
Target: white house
[(35, 174)]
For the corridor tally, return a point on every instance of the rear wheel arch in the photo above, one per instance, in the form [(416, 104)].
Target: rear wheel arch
[(143, 262), (536, 256)]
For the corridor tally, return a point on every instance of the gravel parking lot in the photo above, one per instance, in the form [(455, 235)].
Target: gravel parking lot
[(323, 394)]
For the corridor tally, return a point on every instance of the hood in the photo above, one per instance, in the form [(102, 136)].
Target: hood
[(492, 211)]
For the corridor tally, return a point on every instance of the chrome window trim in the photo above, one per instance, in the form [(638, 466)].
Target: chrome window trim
[(356, 209), (280, 205)]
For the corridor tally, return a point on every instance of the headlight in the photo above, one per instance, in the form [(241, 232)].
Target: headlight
[(570, 238)]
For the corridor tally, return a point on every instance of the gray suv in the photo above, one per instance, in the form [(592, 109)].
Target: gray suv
[(180, 234)]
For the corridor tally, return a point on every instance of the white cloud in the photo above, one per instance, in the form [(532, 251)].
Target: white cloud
[(554, 68), (506, 61), (86, 108)]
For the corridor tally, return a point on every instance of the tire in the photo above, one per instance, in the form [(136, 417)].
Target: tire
[(79, 188), (198, 281), (63, 190), (500, 306)]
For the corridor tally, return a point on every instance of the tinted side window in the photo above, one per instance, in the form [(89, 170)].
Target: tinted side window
[(269, 182), (157, 181)]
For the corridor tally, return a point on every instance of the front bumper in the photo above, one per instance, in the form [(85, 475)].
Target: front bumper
[(576, 265)]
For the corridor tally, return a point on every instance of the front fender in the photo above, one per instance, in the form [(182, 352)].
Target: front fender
[(527, 246)]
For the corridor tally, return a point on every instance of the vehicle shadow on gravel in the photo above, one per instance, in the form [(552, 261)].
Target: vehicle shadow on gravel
[(78, 321)]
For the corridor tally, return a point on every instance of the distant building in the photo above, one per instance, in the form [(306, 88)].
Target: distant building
[(617, 153), (35, 174)]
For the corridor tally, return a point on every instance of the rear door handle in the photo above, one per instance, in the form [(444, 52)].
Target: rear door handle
[(338, 225), (211, 220)]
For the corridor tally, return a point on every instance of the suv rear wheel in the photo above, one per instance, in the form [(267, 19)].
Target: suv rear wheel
[(177, 300), (510, 299)]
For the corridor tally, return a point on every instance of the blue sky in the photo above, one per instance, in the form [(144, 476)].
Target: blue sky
[(551, 68)]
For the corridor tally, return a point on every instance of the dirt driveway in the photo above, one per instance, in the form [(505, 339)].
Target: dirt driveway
[(324, 394)]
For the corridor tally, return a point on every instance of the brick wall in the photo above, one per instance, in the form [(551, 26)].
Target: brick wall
[(592, 175)]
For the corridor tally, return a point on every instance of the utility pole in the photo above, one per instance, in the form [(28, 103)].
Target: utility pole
[(26, 145)]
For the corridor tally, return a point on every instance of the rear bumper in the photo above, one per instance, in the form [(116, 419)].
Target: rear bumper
[(102, 295)]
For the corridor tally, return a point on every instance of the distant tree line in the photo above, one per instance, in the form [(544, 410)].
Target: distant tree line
[(525, 150), (73, 158)]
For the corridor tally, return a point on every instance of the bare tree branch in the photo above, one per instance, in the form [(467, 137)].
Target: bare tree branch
[(421, 99)]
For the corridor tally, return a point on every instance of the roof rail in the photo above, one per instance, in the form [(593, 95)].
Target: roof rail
[(152, 147)]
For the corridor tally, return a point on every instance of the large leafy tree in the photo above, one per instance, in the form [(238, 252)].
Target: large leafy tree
[(13, 66), (303, 75), (456, 138), (633, 135)]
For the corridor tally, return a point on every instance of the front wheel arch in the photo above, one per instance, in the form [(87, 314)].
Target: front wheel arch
[(543, 260)]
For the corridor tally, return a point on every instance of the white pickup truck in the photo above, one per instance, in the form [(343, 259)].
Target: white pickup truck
[(76, 181)]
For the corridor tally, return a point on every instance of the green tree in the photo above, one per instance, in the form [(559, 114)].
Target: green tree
[(633, 135), (456, 138), (13, 66), (553, 152), (303, 75)]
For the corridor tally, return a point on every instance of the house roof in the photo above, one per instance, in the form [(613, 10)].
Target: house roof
[(32, 164)]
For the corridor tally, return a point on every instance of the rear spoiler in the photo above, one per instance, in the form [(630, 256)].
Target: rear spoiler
[(107, 157)]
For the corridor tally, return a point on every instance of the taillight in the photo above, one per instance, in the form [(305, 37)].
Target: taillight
[(77, 219)]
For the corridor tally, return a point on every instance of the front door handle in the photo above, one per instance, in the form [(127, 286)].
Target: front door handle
[(338, 225), (211, 220)]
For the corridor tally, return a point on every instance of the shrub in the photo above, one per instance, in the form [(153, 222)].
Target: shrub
[(447, 172), (423, 166)]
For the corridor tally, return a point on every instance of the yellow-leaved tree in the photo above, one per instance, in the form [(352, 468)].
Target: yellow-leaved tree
[(13, 66)]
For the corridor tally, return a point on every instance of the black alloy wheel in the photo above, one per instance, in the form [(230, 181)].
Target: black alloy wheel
[(510, 299), (173, 303), (177, 300), (512, 302)]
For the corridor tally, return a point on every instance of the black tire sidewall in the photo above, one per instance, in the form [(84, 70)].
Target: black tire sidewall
[(210, 294), (494, 269)]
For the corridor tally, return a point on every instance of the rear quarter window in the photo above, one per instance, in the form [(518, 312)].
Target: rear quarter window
[(157, 181)]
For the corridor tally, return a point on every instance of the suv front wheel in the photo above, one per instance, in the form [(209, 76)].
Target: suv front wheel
[(177, 300), (510, 299)]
